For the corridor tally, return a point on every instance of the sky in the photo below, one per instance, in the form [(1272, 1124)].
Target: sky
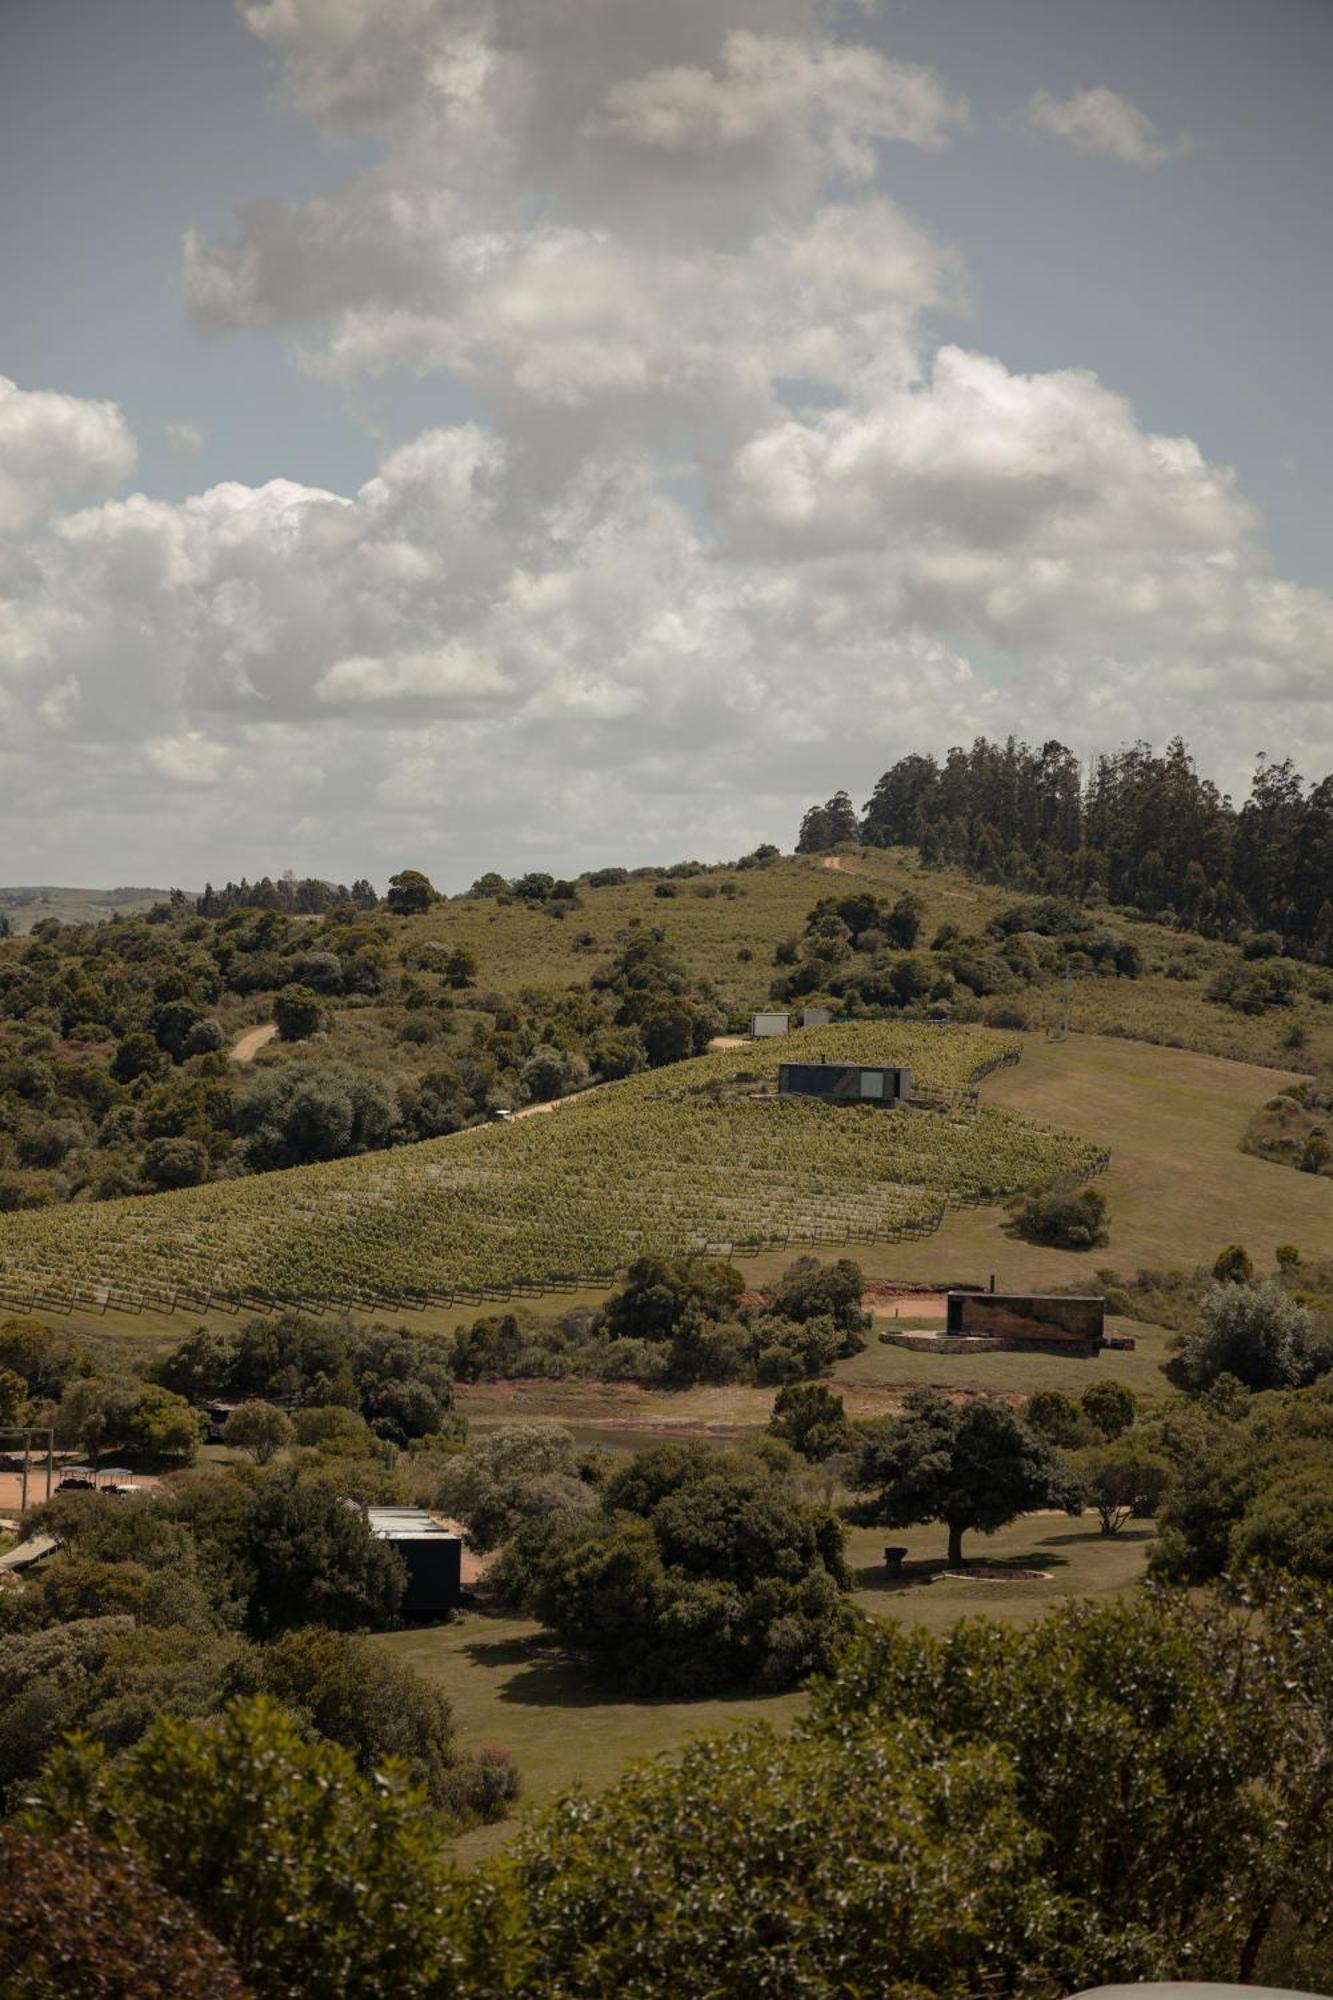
[(474, 434)]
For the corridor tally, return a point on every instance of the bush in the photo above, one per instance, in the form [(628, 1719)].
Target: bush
[(77, 1917), (1111, 1407), (1258, 1334), (1063, 1221), (1123, 1479), (703, 1571), (317, 1880), (1233, 1266)]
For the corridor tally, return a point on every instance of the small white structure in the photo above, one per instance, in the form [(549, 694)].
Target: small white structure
[(768, 1023), (816, 1017)]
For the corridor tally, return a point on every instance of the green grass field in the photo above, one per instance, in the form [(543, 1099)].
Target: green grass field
[(509, 1685), (726, 925), (729, 939)]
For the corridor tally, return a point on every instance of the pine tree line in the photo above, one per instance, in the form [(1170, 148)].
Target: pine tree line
[(1139, 829), (305, 896)]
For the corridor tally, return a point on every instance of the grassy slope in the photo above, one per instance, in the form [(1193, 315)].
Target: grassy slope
[(27, 906), (507, 1685), (516, 945)]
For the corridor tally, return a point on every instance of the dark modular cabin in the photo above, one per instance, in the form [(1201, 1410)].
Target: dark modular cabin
[(433, 1555), (1029, 1319), (844, 1083)]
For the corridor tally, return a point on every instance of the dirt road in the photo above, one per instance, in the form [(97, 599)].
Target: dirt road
[(252, 1041)]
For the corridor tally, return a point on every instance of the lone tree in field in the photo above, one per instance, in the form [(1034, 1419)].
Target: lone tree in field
[(973, 1465), (410, 892), (260, 1429)]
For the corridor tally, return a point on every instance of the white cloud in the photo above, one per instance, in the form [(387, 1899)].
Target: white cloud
[(1103, 123), (55, 449), (728, 531), (187, 438)]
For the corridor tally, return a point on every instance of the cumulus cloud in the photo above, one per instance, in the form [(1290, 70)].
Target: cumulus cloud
[(55, 449), (1103, 123), (729, 528)]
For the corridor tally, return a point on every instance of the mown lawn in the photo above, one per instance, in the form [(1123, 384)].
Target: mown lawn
[(509, 1685)]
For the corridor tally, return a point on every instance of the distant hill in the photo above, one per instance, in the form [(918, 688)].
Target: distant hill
[(27, 906)]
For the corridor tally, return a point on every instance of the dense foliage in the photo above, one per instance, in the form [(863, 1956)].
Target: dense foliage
[(114, 1078), (1143, 830), (1122, 1791), (696, 1571)]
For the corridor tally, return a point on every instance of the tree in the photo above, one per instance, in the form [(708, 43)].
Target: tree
[(974, 1465), (164, 1426), (517, 1473), (94, 1412), (1257, 1333), (1111, 1407), (1233, 1266), (201, 1367), (811, 1419), (78, 1917), (315, 1561), (315, 1879), (259, 1429), (828, 825), (1123, 1478), (138, 1055), (410, 893), (703, 1571), (297, 1013), (460, 969), (13, 1397), (300, 1112), (174, 1163), (808, 1289), (1057, 1418), (659, 1293)]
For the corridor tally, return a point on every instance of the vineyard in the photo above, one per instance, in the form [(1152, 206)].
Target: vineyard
[(660, 1162)]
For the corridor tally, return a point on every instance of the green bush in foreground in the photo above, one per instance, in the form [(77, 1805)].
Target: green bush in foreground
[(315, 1880), (1121, 1792)]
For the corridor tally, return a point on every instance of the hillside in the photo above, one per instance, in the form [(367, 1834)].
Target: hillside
[(143, 1055), (29, 905), (669, 1159)]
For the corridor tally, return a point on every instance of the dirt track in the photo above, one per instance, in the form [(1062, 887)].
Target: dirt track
[(252, 1041)]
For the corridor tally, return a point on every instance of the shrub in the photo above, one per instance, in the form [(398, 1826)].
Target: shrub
[(78, 1917), (1233, 1266), (1121, 1479), (1063, 1221), (1258, 1334), (1110, 1406)]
